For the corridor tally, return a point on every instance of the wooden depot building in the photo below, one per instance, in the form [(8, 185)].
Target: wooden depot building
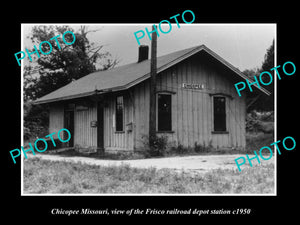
[(196, 103)]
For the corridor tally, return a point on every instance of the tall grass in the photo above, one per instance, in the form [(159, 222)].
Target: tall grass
[(43, 176)]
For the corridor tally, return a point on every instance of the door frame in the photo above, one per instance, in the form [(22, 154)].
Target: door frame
[(69, 115), (100, 125)]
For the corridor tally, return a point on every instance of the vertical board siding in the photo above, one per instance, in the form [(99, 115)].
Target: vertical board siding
[(141, 122), (184, 106), (192, 110), (85, 136), (118, 140)]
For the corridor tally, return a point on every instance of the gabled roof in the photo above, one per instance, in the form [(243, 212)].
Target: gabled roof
[(126, 76)]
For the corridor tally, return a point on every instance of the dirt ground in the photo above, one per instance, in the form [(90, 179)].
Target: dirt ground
[(188, 163)]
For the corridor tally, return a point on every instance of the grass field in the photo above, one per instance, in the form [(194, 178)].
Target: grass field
[(43, 176)]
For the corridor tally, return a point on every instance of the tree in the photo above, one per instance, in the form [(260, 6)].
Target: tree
[(251, 72), (63, 65), (256, 100), (268, 62)]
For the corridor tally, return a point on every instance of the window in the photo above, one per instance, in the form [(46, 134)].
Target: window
[(164, 120), (219, 114), (119, 113)]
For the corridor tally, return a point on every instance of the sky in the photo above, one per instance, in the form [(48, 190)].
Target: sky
[(242, 45)]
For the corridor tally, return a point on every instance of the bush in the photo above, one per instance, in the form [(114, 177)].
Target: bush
[(198, 148), (255, 141), (159, 145), (251, 121), (266, 116), (180, 149), (35, 121), (33, 130), (260, 121)]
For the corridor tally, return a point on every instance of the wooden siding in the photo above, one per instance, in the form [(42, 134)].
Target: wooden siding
[(56, 118), (141, 112), (118, 140), (85, 136), (192, 110)]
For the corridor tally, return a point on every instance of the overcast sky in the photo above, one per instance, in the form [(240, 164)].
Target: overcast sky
[(242, 45)]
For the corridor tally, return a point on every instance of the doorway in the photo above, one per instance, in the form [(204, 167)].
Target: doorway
[(69, 124), (100, 126)]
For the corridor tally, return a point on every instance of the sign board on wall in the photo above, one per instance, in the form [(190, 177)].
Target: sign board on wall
[(193, 86)]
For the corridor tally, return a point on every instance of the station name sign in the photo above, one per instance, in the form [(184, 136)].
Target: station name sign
[(193, 86)]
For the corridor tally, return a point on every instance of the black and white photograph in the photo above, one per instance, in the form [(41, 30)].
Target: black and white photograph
[(136, 109), (149, 111)]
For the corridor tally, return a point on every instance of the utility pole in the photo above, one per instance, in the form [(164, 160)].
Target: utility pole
[(152, 116)]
